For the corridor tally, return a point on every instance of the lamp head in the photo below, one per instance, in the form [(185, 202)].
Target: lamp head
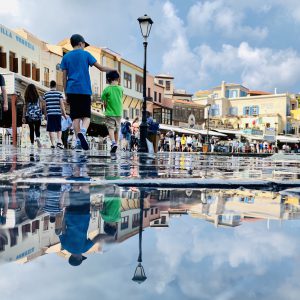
[(145, 24)]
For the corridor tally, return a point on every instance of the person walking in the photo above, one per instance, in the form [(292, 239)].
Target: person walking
[(126, 132), (55, 109), (77, 86), (4, 94), (112, 97), (32, 114)]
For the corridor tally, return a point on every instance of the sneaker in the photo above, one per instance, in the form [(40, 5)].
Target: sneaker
[(114, 147), (84, 144), (78, 147), (52, 147), (60, 145), (39, 144)]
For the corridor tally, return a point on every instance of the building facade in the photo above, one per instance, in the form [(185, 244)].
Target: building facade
[(235, 106)]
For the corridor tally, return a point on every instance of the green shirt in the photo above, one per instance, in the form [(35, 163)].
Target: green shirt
[(111, 211), (112, 97)]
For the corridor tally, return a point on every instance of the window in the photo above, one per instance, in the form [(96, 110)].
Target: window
[(161, 82), (159, 97), (156, 210), (3, 61), (155, 96), (233, 111), (243, 93), (137, 112), (127, 80), (233, 93), (46, 223), (131, 112), (168, 85), (13, 62), (149, 92), (125, 113), (246, 111), (26, 68), (46, 77), (33, 71), (145, 214), (214, 110), (254, 111), (138, 83), (124, 222), (136, 220)]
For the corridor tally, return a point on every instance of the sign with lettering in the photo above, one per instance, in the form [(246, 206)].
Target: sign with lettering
[(17, 38)]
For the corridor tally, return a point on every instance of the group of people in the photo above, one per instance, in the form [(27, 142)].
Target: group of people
[(174, 142)]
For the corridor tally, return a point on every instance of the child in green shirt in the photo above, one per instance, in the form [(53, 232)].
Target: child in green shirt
[(112, 97)]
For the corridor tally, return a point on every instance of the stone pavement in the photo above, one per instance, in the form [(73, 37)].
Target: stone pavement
[(134, 169)]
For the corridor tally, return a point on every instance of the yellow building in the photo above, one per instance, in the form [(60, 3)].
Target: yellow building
[(235, 106)]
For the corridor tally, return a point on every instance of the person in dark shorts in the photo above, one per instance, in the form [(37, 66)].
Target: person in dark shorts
[(77, 85), (55, 108), (4, 94)]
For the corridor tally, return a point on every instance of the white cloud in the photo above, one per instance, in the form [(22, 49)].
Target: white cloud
[(261, 68), (211, 17), (11, 7)]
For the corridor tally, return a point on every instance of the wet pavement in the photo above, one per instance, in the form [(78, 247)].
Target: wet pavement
[(186, 226)]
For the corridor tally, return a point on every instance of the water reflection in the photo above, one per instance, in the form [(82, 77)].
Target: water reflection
[(76, 220)]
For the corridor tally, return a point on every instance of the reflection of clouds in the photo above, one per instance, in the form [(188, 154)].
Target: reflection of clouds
[(224, 263), (189, 260)]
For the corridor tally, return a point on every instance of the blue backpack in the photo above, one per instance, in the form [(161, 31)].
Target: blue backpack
[(34, 112), (125, 128)]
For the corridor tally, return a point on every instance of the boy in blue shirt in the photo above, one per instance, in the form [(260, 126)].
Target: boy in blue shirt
[(77, 85)]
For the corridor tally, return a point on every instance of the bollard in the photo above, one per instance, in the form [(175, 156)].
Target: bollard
[(14, 118)]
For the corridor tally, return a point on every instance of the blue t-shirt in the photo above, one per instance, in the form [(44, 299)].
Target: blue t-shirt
[(75, 240), (77, 63)]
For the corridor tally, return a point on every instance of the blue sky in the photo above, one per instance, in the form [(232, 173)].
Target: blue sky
[(201, 43)]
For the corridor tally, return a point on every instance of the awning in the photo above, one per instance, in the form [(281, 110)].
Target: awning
[(253, 137), (189, 130), (287, 139), (228, 131)]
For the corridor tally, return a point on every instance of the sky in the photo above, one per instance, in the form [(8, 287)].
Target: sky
[(200, 43), (189, 260)]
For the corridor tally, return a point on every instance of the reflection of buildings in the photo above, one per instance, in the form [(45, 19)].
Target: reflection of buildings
[(23, 240), (227, 207)]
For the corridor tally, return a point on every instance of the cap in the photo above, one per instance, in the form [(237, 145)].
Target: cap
[(76, 39)]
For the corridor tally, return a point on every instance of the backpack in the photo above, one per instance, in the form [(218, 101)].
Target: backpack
[(34, 112), (125, 128), (152, 126)]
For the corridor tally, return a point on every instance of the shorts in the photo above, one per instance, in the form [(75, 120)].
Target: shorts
[(80, 106), (54, 123), (113, 123)]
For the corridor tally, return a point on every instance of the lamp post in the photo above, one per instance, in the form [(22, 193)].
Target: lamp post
[(145, 25), (276, 144), (207, 134), (139, 274)]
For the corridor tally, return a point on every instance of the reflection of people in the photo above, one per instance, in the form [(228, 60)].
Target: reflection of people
[(32, 201), (111, 212), (75, 225), (54, 199), (4, 200)]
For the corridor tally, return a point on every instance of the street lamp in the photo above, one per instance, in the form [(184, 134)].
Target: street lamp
[(139, 274), (145, 25), (207, 134)]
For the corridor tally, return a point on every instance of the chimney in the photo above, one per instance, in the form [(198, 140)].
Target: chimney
[(223, 89)]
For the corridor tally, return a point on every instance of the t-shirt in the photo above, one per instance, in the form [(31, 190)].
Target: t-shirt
[(75, 240), (76, 63), (52, 202), (112, 96), (2, 80), (111, 211), (52, 99)]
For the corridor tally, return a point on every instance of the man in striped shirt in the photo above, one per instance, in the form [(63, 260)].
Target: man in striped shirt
[(55, 109)]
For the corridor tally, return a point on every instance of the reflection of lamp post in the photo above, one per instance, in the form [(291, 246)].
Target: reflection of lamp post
[(145, 24), (207, 135), (139, 274), (276, 135)]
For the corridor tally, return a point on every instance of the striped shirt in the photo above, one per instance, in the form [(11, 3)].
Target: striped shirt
[(52, 99)]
